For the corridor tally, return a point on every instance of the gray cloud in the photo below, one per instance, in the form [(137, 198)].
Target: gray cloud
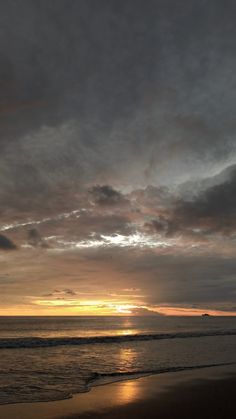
[(128, 94), (124, 113), (35, 239), (106, 195), (209, 208), (142, 311), (6, 244), (214, 209)]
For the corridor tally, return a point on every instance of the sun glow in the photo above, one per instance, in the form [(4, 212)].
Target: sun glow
[(73, 307), (87, 307), (125, 309), (106, 307)]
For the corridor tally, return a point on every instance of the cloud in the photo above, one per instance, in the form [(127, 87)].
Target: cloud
[(129, 134), (126, 115), (213, 210), (106, 195), (61, 293), (35, 239), (6, 244), (69, 291), (142, 311), (208, 208), (144, 213)]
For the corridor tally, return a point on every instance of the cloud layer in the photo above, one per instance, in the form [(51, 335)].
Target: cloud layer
[(118, 153)]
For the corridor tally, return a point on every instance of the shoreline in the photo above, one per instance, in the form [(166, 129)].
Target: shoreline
[(154, 393), (106, 379)]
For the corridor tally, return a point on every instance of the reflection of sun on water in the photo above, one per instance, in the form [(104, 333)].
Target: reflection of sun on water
[(128, 332), (127, 327), (126, 357), (127, 322), (127, 360), (129, 391)]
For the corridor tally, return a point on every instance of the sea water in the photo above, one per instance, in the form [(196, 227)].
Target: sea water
[(52, 358)]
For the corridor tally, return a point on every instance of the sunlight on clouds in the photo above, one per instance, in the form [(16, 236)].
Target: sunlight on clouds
[(90, 307), (63, 216), (117, 240), (71, 302), (126, 309)]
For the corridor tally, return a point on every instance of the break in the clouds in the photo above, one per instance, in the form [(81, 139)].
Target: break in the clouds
[(118, 154)]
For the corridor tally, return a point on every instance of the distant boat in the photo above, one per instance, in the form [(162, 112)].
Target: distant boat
[(206, 315)]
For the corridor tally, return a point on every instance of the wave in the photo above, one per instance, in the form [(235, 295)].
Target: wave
[(106, 378), (30, 393), (39, 342)]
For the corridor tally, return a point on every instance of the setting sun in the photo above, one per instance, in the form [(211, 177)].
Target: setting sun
[(124, 309)]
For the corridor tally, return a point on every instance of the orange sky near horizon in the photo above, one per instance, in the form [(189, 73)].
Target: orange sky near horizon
[(106, 309)]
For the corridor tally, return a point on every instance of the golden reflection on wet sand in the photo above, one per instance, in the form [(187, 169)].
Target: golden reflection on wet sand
[(128, 392)]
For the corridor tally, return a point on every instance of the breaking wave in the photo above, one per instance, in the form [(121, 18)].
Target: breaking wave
[(106, 378), (39, 342)]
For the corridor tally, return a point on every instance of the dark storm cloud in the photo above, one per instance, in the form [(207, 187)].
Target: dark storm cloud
[(106, 195), (35, 239), (6, 244), (201, 210), (130, 93), (210, 208), (163, 226), (213, 209), (134, 102)]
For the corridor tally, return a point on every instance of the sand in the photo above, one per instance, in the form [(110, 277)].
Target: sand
[(207, 393)]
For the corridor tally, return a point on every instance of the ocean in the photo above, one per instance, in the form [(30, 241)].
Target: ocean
[(52, 358)]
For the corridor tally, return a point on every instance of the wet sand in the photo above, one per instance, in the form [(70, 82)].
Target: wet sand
[(194, 394)]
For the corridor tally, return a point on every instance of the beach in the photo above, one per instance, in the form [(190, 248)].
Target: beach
[(201, 393), (112, 368)]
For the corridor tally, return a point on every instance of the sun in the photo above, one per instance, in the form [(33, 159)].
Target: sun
[(124, 309)]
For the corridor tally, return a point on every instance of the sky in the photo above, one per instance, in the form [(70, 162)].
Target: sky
[(117, 157)]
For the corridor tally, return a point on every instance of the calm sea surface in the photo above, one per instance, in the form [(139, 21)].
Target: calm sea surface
[(52, 358)]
